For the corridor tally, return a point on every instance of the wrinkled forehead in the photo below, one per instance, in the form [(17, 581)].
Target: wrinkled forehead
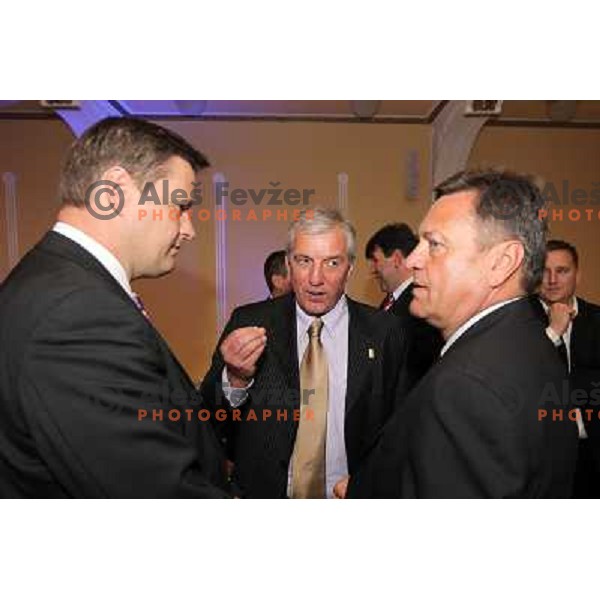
[(451, 215), (325, 244), (559, 258)]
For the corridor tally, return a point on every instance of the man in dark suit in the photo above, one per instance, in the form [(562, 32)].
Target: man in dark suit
[(387, 251), (261, 362), (474, 425), (277, 276), (91, 397), (573, 325)]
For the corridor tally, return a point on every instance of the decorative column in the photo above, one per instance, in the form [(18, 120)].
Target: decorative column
[(221, 254), (12, 218), (453, 138), (342, 194)]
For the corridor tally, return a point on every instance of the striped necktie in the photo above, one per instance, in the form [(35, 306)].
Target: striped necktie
[(137, 299), (387, 302)]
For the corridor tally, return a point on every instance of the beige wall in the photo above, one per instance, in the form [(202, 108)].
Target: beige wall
[(555, 155), (33, 150), (298, 155), (251, 155)]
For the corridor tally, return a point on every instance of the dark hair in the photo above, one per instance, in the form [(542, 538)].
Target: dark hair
[(508, 207), (395, 236), (138, 146), (275, 265), (562, 245)]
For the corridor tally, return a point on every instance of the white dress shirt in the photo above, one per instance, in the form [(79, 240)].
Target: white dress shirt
[(402, 288), (565, 339), (474, 319), (104, 256), (557, 340), (334, 337)]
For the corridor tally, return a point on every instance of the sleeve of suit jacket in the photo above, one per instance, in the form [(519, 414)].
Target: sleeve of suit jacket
[(88, 369), (212, 389), (211, 384)]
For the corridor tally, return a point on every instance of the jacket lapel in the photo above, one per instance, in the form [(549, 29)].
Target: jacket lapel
[(59, 244), (359, 345), (283, 339)]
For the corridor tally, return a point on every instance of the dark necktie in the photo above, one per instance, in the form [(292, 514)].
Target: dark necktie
[(562, 350), (387, 303), (138, 302)]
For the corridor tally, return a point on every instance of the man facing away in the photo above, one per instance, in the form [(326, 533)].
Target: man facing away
[(83, 368), (277, 276), (472, 426), (387, 252)]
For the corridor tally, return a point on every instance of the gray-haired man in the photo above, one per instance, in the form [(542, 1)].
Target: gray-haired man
[(309, 378)]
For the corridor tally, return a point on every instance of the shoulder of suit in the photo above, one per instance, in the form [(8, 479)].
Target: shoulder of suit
[(589, 307), (375, 317), (263, 308)]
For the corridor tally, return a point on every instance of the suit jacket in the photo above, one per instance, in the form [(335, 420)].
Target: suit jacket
[(471, 427), (584, 390), (585, 348), (78, 361), (585, 383), (261, 450), (424, 341)]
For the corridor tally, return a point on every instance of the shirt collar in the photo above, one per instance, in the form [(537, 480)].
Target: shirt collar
[(330, 319), (104, 256), (474, 319), (402, 287)]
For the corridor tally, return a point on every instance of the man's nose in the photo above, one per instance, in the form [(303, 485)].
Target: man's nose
[(415, 259), (315, 275), (187, 230)]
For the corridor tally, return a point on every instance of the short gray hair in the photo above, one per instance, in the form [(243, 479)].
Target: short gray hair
[(318, 220)]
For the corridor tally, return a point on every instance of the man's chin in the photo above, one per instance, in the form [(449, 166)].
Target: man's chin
[(552, 298), (417, 309), (164, 269), (314, 308)]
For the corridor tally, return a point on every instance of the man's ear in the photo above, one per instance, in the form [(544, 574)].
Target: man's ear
[(505, 259), (117, 175), (118, 182), (397, 258), (277, 281)]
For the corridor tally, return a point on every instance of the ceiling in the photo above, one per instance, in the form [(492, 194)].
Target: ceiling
[(541, 112)]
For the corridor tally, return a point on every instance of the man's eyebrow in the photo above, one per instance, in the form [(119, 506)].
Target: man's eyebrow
[(332, 257)]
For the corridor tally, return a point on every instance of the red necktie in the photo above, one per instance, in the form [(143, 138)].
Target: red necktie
[(387, 302)]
